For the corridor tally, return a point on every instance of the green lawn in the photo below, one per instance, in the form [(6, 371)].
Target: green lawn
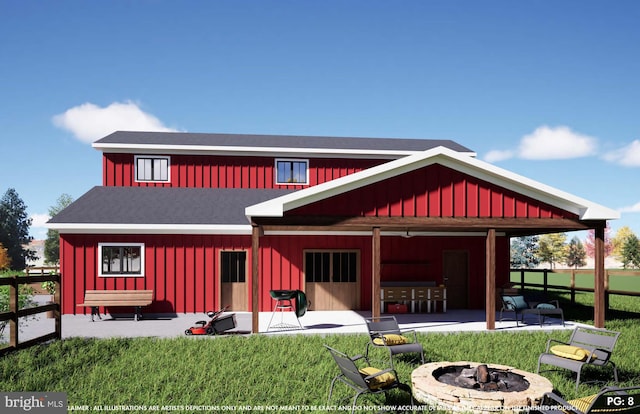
[(277, 371)]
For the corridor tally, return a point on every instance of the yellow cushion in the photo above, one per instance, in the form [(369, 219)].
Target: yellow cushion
[(583, 403), (571, 352), (391, 339), (381, 380)]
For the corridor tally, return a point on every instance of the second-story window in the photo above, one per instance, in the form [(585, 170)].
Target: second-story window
[(152, 169), (292, 171)]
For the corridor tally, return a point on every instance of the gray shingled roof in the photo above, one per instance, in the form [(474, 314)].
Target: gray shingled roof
[(276, 141), (162, 205)]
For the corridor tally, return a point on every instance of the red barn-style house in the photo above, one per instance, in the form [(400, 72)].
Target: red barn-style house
[(211, 219)]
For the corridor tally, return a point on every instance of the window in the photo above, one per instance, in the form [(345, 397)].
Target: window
[(233, 266), (121, 259), (340, 267), (152, 169), (292, 172)]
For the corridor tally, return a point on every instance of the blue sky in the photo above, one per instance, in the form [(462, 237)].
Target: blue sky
[(546, 89)]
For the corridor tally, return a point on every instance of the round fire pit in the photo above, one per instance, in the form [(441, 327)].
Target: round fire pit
[(478, 388)]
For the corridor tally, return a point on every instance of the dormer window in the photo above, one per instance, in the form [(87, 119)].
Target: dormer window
[(152, 169), (290, 171)]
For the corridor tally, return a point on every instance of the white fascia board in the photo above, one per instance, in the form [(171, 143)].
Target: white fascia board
[(90, 228), (585, 209), (261, 151)]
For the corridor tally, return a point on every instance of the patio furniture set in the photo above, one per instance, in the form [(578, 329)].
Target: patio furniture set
[(590, 347)]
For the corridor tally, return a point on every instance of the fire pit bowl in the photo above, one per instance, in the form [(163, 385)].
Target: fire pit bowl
[(478, 388)]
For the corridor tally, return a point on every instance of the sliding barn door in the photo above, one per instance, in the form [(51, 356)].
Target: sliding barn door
[(332, 279)]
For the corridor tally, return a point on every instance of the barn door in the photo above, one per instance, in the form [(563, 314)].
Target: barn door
[(331, 279), (455, 268), (233, 280)]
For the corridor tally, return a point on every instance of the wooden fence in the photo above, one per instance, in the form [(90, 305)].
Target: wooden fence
[(572, 288), (14, 313)]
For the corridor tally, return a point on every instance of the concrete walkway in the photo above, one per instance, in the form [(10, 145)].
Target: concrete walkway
[(313, 322)]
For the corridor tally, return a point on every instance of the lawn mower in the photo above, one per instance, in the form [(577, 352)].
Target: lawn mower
[(216, 325)]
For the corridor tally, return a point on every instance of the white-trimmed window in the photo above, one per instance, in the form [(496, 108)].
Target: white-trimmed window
[(121, 259), (152, 168), (292, 171)]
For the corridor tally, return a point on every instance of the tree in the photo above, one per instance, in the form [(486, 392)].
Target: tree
[(618, 241), (524, 252), (552, 248), (590, 242), (630, 252), (52, 243), (576, 254), (14, 229)]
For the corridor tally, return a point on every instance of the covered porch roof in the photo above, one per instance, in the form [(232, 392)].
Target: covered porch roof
[(312, 210)]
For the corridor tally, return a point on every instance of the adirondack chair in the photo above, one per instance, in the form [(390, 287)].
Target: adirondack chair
[(364, 379), (587, 346), (608, 399)]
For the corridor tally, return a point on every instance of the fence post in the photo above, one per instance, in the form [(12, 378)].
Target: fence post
[(57, 313), (573, 286), (545, 280), (13, 307), (606, 292)]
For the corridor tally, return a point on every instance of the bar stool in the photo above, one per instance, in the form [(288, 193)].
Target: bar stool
[(284, 302)]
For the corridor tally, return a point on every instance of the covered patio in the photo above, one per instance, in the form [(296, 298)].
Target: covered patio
[(434, 194)]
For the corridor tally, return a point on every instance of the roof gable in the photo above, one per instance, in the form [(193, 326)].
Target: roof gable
[(583, 209)]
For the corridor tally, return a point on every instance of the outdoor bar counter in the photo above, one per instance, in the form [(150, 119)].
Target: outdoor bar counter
[(414, 292)]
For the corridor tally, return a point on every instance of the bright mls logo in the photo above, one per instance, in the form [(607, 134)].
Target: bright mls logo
[(33, 402)]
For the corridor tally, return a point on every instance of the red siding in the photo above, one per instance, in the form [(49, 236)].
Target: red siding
[(226, 172), (433, 191), (183, 271)]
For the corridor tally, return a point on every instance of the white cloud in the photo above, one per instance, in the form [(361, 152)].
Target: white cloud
[(630, 209), (37, 228), (628, 156), (89, 122), (548, 143), (498, 155), (561, 142)]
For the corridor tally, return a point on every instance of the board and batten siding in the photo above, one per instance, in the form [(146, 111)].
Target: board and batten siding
[(433, 191), (210, 171), (182, 270)]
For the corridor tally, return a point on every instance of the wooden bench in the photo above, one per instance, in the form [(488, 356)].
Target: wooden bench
[(110, 298)]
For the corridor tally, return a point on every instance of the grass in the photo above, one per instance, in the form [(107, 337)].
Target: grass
[(276, 371)]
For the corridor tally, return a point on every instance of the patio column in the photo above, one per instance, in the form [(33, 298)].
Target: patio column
[(255, 288), (491, 279), (375, 273), (598, 286)]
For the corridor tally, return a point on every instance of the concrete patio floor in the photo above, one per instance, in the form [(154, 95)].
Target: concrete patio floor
[(313, 322)]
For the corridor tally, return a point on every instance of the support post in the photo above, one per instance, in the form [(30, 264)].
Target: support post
[(375, 273), (491, 279), (599, 282), (255, 287)]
